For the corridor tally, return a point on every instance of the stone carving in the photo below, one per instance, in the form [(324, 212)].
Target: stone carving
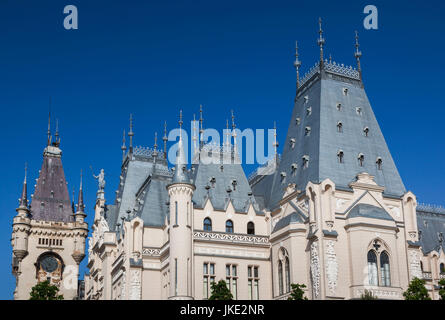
[(230, 237), (315, 269), (331, 266), (414, 265), (103, 224), (135, 285), (100, 179), (151, 251), (123, 288)]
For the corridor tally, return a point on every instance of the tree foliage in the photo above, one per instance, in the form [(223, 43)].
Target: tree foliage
[(297, 292), (220, 291), (45, 291), (442, 289), (416, 290), (368, 295)]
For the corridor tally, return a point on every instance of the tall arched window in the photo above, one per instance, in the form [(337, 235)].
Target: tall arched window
[(280, 277), (287, 272), (385, 270), (207, 224), (442, 268), (229, 226), (372, 268), (250, 228)]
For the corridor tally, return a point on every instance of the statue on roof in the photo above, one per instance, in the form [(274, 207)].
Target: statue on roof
[(100, 179)]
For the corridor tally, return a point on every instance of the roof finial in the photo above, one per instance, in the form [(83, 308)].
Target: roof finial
[(124, 146), (73, 206), (80, 204), (275, 143), (49, 123), (165, 139), (155, 146), (297, 64), (57, 141), (194, 137), (357, 55), (227, 134), (330, 58), (131, 134), (321, 42), (201, 130), (233, 131)]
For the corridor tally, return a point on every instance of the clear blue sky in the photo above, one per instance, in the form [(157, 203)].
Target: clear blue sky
[(153, 57)]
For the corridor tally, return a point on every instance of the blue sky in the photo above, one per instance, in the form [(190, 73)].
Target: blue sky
[(151, 58)]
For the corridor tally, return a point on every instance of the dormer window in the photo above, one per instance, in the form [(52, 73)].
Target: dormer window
[(340, 156), (307, 131), (361, 159), (305, 161), (359, 111), (213, 181), (339, 127), (308, 111), (234, 183), (338, 106), (294, 167), (366, 131), (306, 99), (283, 176), (292, 143), (379, 163), (345, 91), (297, 121)]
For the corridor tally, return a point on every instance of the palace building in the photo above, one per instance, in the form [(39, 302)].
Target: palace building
[(331, 212)]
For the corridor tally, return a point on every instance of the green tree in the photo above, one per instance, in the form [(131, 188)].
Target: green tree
[(416, 290), (442, 289), (220, 291), (297, 292), (45, 291), (367, 295)]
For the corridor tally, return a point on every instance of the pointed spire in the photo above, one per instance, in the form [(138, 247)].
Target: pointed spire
[(49, 123), (124, 146), (155, 146), (233, 131), (73, 206), (165, 139), (275, 143), (227, 134), (357, 55), (57, 140), (131, 134), (297, 64), (320, 42), (80, 204), (194, 137), (330, 58), (23, 203), (201, 129), (180, 175)]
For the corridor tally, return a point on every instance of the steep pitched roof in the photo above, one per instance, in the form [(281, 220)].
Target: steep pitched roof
[(324, 100), (51, 200), (431, 225), (369, 211)]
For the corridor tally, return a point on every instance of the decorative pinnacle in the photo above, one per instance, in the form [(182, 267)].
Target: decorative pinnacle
[(201, 130), (275, 143), (57, 142), (180, 119), (23, 202), (49, 123), (357, 55), (155, 146), (80, 204), (320, 42), (227, 133), (164, 138), (131, 133), (233, 120), (297, 64), (124, 146)]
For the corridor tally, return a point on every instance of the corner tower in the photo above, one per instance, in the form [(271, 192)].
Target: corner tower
[(48, 238)]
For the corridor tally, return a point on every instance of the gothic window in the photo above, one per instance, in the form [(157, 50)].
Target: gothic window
[(338, 106), (207, 224), (442, 268), (232, 279), (340, 156), (339, 127), (229, 226), (280, 277), (253, 282), (283, 265), (361, 159), (250, 228), (208, 278), (379, 163), (372, 268), (287, 274), (307, 131), (385, 270), (366, 131)]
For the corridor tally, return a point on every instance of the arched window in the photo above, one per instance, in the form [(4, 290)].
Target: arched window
[(421, 266), (442, 268), (280, 277), (372, 268), (229, 226), (385, 270), (287, 272), (207, 224), (250, 228), (340, 156)]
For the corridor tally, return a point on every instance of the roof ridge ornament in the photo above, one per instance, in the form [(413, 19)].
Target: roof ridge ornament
[(165, 139), (321, 42), (201, 129), (124, 146), (131, 134), (49, 123), (297, 64), (357, 55)]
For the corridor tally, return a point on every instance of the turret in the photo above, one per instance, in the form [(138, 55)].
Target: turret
[(181, 221), (80, 229)]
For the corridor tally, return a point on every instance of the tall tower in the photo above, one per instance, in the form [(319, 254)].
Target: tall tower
[(180, 192), (48, 238)]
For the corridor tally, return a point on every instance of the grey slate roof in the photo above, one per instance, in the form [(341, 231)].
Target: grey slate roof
[(180, 175), (323, 92), (294, 217), (431, 225), (51, 200), (369, 211), (224, 175)]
